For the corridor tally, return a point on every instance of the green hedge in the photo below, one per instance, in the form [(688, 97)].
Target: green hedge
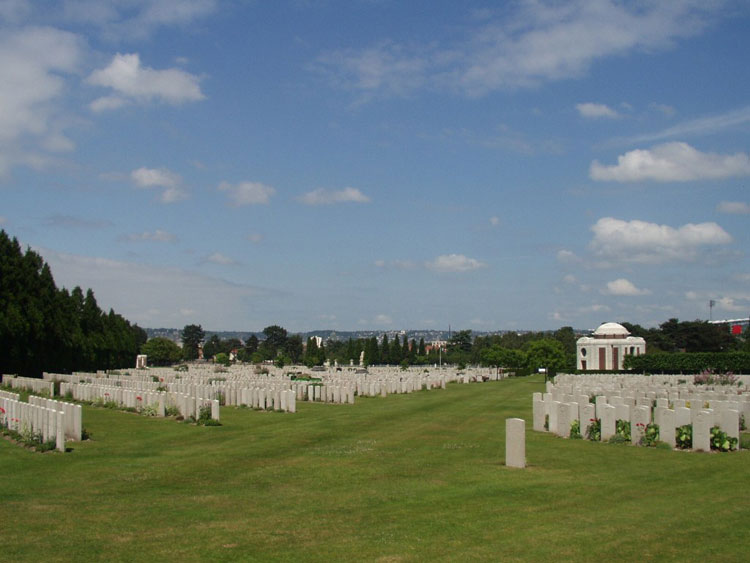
[(736, 362)]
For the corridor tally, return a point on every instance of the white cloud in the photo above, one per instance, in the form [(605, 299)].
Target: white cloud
[(247, 193), (255, 238), (107, 103), (155, 177), (34, 62), (494, 221), (133, 19), (153, 295), (669, 111), (322, 196), (734, 207), (593, 110), (133, 82), (454, 263), (172, 195), (156, 236), (383, 319), (671, 162), (532, 44), (700, 126), (218, 258), (567, 257), (396, 264), (160, 178), (624, 287), (643, 242)]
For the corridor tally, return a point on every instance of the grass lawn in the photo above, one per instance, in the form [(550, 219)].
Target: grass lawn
[(415, 477)]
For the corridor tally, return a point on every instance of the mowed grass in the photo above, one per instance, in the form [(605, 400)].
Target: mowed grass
[(417, 477)]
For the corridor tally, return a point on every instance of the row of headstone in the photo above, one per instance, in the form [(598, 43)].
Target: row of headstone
[(10, 395), (266, 399), (73, 415), (187, 405), (560, 415), (34, 420), (30, 384)]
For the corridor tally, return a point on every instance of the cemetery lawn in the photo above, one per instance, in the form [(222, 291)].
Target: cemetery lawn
[(417, 477)]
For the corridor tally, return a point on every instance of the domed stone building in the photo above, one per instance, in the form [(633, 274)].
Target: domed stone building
[(607, 347)]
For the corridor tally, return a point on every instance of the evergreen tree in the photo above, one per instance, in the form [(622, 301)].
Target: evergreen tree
[(385, 350), (192, 336)]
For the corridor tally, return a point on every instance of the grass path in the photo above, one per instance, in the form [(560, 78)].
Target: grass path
[(415, 477)]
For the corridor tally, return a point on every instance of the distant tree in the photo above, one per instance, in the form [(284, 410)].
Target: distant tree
[(222, 358), (161, 351), (372, 352), (275, 341), (293, 348), (395, 356), (422, 350), (192, 336), (385, 350), (212, 347), (503, 357), (545, 353), (460, 341), (313, 355)]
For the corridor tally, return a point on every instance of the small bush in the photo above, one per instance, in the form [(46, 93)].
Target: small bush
[(150, 410), (745, 442), (594, 431), (650, 435), (172, 411), (575, 430), (546, 422), (722, 442), (684, 437), (622, 429)]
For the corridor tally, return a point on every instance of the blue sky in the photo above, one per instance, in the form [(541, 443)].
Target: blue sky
[(372, 164)]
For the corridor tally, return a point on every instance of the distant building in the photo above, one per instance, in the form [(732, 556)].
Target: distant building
[(607, 347)]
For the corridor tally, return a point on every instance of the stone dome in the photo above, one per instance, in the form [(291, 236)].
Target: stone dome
[(611, 330)]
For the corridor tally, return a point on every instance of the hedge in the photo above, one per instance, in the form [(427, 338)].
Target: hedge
[(736, 362)]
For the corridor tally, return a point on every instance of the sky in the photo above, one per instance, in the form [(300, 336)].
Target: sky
[(382, 165)]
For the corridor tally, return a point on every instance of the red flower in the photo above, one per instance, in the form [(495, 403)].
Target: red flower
[(139, 398), (2, 410)]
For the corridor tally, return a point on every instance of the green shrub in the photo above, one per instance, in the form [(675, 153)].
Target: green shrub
[(722, 442), (575, 430), (650, 435), (684, 437), (745, 441), (594, 431), (622, 429)]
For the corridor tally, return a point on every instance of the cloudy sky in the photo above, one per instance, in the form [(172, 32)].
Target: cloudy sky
[(374, 164)]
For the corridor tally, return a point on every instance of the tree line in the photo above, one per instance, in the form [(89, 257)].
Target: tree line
[(44, 328), (520, 352)]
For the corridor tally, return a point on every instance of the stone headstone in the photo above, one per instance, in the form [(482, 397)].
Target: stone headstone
[(702, 422), (515, 442)]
